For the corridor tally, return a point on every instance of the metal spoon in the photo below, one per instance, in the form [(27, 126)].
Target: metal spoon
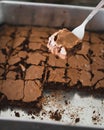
[(80, 30)]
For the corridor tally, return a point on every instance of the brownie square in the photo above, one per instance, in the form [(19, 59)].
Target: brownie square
[(56, 75), (79, 62), (36, 58), (54, 61), (4, 40), (18, 41), (34, 72), (32, 90), (13, 89), (34, 45)]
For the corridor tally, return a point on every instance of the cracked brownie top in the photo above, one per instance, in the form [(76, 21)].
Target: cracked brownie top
[(26, 64)]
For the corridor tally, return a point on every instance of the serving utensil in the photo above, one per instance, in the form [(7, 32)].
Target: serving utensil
[(80, 30)]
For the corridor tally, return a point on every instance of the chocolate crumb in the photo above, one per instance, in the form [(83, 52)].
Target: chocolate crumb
[(93, 112), (66, 102), (32, 117), (17, 114), (77, 120), (94, 118), (56, 115), (43, 113)]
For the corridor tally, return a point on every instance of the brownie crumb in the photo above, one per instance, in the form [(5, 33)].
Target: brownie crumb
[(77, 120), (66, 102), (32, 117), (93, 112), (55, 115), (17, 114)]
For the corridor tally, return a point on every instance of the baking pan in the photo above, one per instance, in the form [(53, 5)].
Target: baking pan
[(77, 109), (50, 15)]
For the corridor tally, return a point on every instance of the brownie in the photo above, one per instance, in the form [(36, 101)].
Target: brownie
[(22, 54), (95, 38), (13, 89), (75, 76), (34, 72), (64, 43), (27, 67), (35, 58), (32, 90), (85, 48), (34, 45), (13, 60), (79, 62), (18, 41), (18, 90), (11, 75), (4, 40), (56, 75), (56, 62)]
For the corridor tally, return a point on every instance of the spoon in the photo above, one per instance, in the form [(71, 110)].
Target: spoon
[(80, 30)]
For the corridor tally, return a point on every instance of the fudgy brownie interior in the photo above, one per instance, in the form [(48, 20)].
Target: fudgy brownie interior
[(26, 65)]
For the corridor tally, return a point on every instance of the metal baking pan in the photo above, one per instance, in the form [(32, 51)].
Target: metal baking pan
[(79, 109)]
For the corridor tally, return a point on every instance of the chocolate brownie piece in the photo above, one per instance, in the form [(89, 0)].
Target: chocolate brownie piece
[(35, 45), (39, 32), (64, 43), (13, 89), (95, 38), (35, 39), (22, 54), (73, 76), (100, 84), (11, 75), (32, 90), (18, 41), (14, 59), (85, 49), (97, 57), (85, 78), (18, 90), (97, 76), (79, 62), (97, 63), (97, 49), (35, 58), (4, 40), (34, 72), (39, 36), (54, 61), (56, 75)]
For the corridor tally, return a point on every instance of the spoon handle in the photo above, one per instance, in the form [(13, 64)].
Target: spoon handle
[(90, 16)]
